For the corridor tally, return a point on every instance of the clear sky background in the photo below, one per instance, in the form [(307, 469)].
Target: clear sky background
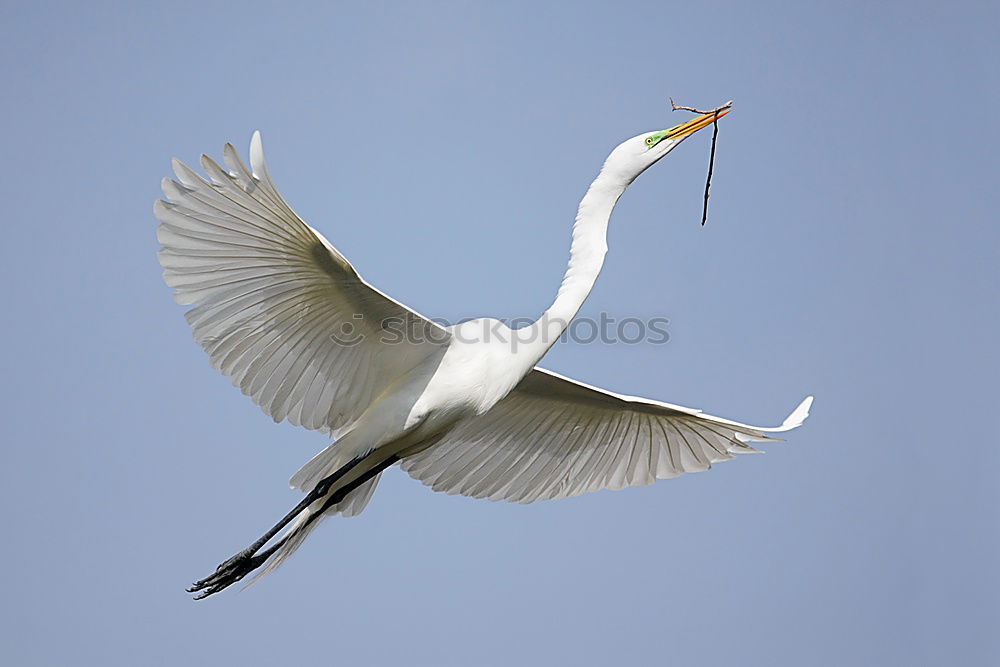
[(851, 253)]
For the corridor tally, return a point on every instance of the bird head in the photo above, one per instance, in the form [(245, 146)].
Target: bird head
[(636, 155)]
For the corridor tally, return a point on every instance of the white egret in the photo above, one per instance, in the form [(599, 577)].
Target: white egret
[(462, 409)]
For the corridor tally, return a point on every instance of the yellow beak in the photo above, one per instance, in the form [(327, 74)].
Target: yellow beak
[(692, 126)]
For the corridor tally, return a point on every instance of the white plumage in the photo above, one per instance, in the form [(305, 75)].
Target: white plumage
[(552, 437), (270, 291), (284, 314)]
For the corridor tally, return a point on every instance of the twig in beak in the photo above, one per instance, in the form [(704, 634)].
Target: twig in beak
[(678, 107), (711, 166), (711, 159)]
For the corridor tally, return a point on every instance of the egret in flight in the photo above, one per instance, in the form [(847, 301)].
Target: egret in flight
[(464, 409)]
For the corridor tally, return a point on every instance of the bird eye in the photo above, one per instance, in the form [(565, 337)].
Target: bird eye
[(649, 141)]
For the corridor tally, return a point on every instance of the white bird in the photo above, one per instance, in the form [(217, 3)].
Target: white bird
[(463, 409)]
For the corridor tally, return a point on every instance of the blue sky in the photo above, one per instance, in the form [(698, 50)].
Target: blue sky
[(851, 253)]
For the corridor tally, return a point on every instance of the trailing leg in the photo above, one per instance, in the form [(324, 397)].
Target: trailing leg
[(249, 559), (246, 556)]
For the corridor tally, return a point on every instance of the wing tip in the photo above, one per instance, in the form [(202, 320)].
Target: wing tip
[(257, 155), (177, 165), (798, 416)]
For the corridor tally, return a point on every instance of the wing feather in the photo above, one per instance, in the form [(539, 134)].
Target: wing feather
[(553, 437), (272, 299)]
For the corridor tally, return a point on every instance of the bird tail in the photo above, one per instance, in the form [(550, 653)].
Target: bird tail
[(352, 505), (316, 469), (325, 464)]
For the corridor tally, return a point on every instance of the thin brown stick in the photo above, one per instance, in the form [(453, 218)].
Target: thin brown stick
[(711, 166), (711, 159), (678, 107)]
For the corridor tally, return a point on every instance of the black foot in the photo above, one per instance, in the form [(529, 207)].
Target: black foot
[(229, 573)]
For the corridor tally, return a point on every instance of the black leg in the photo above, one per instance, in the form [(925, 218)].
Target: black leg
[(248, 560), (245, 556)]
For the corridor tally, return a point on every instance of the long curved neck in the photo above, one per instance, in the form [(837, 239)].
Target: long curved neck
[(586, 257)]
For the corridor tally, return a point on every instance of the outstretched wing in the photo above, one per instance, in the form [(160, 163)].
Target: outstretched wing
[(552, 437), (276, 307)]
